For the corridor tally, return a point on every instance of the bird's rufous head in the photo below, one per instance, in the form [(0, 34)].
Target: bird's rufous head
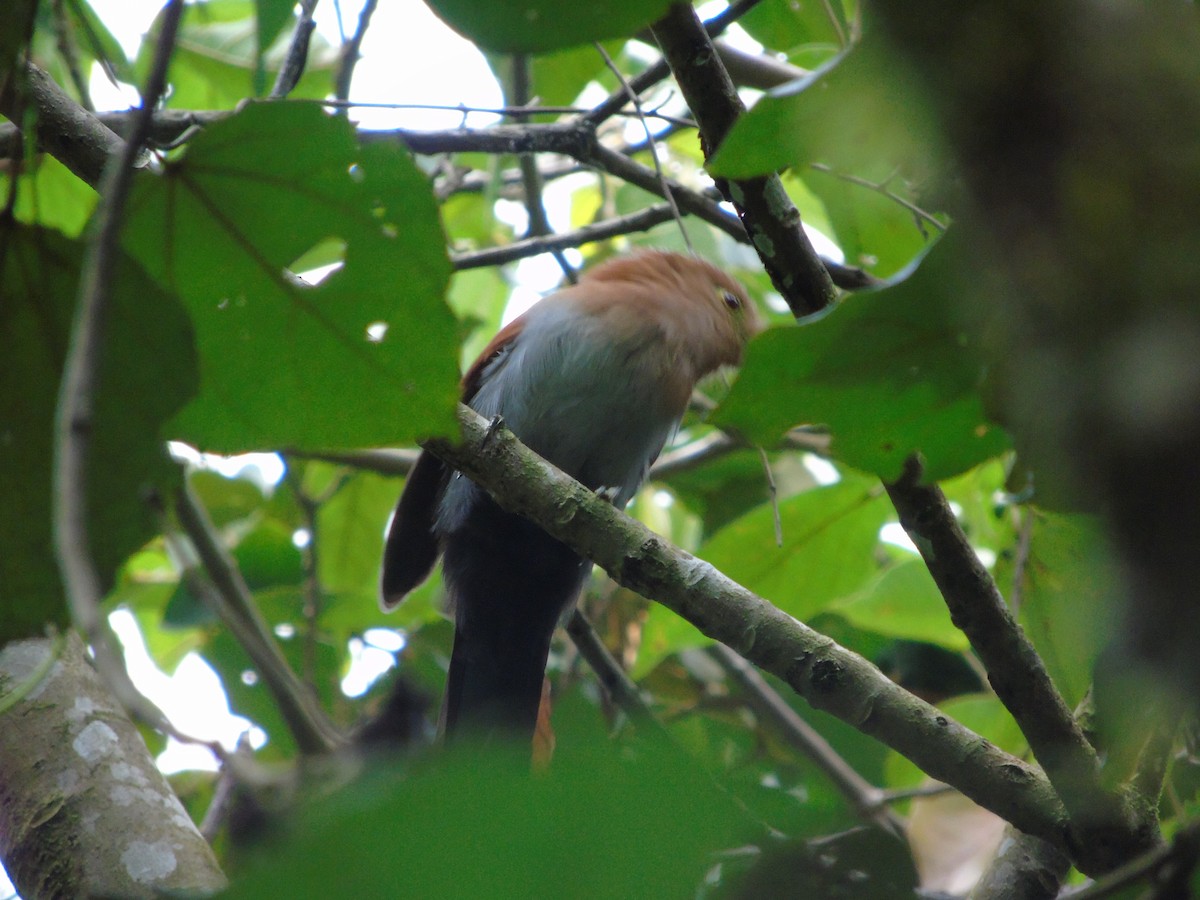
[(706, 308)]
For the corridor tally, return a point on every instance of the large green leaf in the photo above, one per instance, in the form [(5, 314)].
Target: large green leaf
[(855, 113), (889, 372), (288, 364), (148, 372), (535, 26), (829, 535)]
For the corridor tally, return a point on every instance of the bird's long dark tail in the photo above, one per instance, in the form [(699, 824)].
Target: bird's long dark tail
[(509, 582)]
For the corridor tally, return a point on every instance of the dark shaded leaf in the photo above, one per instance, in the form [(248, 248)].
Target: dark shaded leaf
[(890, 373), (487, 828), (147, 373)]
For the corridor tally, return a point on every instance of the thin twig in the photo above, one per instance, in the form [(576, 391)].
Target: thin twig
[(75, 417), (642, 220), (620, 687), (1183, 849), (385, 462), (866, 799), (1021, 560), (773, 491), (650, 145), (531, 177), (881, 187), (311, 607), (306, 720), (937, 789), (528, 109)]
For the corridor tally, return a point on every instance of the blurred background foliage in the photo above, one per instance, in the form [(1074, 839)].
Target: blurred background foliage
[(214, 346)]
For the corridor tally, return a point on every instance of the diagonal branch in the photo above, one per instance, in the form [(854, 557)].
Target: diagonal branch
[(827, 675), (233, 605), (1015, 670), (63, 128)]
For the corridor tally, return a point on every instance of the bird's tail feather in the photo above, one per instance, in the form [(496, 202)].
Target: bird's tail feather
[(509, 583)]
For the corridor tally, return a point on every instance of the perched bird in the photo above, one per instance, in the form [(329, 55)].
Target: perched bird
[(594, 378)]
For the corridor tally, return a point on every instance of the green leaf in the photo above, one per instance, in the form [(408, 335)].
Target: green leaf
[(49, 194), (858, 113), (829, 535), (874, 230), (535, 26), (904, 603), (267, 556), (1069, 603), (889, 372), (287, 364), (147, 372), (797, 29), (350, 533)]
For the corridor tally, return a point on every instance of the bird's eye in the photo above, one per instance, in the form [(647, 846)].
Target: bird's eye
[(732, 300)]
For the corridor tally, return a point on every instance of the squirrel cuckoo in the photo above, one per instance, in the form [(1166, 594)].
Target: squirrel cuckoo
[(594, 378)]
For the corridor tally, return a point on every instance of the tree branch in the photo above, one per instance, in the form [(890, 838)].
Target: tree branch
[(642, 220), (292, 70), (830, 677), (766, 211), (531, 176), (620, 687), (84, 811), (234, 606), (63, 128), (351, 52), (1014, 669), (1024, 868)]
